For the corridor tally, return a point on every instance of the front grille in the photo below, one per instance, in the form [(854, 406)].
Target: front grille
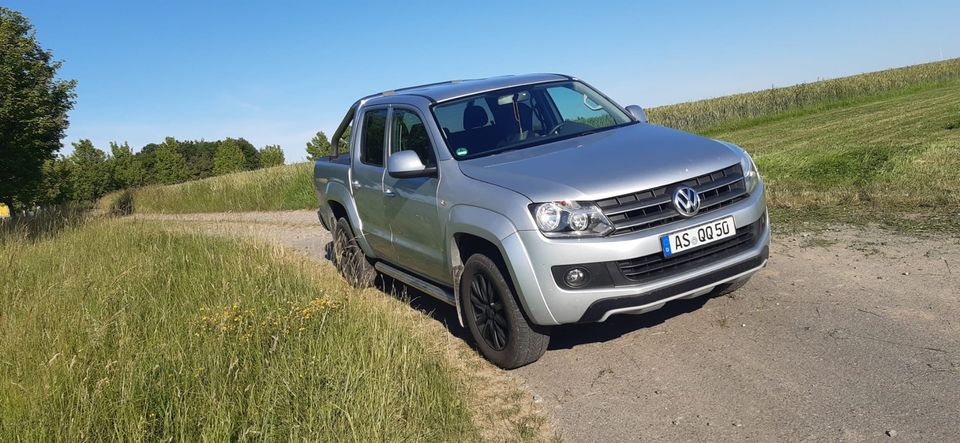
[(646, 209), (656, 266)]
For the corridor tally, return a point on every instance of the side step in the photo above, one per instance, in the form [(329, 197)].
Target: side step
[(416, 282)]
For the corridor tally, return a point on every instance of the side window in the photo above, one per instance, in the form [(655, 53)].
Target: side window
[(373, 137), (409, 134)]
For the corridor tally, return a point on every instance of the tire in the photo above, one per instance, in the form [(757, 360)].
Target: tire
[(349, 258), (501, 332), (729, 287)]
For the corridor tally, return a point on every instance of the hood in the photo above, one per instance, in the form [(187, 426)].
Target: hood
[(604, 164)]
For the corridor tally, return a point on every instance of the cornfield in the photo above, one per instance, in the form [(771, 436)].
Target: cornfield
[(712, 113)]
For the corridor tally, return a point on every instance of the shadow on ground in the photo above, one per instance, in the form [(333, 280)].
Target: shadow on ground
[(561, 337)]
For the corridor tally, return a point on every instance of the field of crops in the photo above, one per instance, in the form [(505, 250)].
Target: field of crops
[(740, 109)]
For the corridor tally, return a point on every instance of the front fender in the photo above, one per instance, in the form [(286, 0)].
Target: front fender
[(338, 192), (501, 232)]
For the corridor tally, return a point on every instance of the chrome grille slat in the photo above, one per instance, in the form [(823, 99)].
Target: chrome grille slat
[(648, 219), (726, 181), (637, 206)]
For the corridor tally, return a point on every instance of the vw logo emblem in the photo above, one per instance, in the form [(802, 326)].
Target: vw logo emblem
[(687, 201)]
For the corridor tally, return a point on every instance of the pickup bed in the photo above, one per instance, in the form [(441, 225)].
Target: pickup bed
[(535, 200)]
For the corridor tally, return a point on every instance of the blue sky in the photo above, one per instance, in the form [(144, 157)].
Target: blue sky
[(277, 72)]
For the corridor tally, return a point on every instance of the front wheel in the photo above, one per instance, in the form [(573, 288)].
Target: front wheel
[(503, 335)]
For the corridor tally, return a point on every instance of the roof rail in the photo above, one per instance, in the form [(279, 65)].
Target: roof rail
[(390, 92)]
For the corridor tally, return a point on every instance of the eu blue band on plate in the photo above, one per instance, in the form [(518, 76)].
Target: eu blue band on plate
[(665, 242)]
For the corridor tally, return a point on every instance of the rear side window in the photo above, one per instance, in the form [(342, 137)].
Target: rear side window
[(409, 134), (373, 137)]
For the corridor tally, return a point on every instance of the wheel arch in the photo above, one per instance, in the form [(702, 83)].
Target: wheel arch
[(341, 204), (495, 237)]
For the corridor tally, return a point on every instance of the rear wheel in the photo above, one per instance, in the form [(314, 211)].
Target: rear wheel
[(498, 326), (349, 258)]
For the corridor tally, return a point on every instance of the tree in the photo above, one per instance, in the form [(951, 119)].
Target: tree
[(229, 158), (169, 166), (33, 109), (250, 154), (199, 157), (271, 155), (89, 173), (126, 169), (55, 185), (318, 146)]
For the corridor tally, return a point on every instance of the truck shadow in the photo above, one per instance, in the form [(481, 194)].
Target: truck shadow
[(561, 337), (570, 336)]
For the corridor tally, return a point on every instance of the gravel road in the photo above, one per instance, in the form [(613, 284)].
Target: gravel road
[(849, 334)]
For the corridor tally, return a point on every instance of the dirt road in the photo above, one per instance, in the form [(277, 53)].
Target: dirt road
[(849, 334)]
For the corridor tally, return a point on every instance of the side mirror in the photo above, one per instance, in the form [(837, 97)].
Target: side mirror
[(407, 164), (637, 113)]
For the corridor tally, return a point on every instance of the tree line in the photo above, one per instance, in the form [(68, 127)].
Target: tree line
[(88, 172)]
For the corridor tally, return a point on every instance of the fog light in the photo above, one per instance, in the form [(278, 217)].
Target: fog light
[(575, 277)]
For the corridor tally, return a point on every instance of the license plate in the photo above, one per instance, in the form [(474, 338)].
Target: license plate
[(697, 236)]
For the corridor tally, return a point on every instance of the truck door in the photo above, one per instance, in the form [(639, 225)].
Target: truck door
[(367, 180), (411, 203)]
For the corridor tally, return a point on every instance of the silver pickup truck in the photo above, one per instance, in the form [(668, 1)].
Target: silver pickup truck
[(535, 200)]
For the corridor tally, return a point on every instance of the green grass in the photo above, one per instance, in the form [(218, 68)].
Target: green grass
[(892, 160), (120, 330), (272, 189)]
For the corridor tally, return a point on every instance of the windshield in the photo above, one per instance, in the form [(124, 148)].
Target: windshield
[(525, 116)]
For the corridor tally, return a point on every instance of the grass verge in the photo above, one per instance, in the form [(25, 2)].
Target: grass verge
[(891, 161), (272, 189), (121, 330)]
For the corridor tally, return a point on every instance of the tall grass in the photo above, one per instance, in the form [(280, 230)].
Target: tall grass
[(119, 330), (271, 189), (41, 223), (710, 113)]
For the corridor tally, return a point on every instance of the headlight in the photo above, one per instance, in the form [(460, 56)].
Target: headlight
[(750, 174), (570, 219)]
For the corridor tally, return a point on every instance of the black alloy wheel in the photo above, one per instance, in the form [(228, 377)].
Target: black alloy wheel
[(489, 312)]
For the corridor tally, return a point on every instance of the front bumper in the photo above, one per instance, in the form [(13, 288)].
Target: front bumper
[(532, 258)]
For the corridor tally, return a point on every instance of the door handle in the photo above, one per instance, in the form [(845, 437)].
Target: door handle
[(356, 184), (389, 192)]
